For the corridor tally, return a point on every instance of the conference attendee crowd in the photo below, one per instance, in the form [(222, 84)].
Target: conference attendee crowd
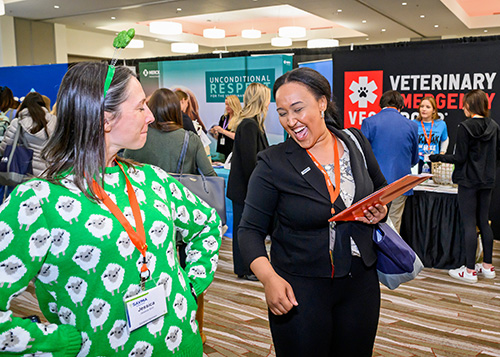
[(107, 235)]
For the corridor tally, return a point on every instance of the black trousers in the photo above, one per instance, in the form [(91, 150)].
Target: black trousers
[(335, 317), (239, 266), (474, 206)]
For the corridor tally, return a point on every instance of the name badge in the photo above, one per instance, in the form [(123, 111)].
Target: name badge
[(145, 307), (222, 140)]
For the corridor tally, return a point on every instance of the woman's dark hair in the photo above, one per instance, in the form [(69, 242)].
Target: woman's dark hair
[(34, 103), (477, 103), (77, 145), (319, 87), (7, 100), (392, 98), (166, 109)]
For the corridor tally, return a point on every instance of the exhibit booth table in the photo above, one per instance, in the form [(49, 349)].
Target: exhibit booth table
[(222, 172), (431, 225)]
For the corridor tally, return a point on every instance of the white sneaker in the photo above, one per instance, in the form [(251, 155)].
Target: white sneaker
[(487, 273), (462, 274)]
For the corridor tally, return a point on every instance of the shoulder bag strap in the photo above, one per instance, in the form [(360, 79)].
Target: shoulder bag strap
[(180, 163), (358, 145), (14, 145)]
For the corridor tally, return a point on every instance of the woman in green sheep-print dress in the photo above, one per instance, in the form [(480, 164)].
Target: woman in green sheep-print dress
[(80, 230)]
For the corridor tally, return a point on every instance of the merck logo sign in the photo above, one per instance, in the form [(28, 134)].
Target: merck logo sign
[(362, 91)]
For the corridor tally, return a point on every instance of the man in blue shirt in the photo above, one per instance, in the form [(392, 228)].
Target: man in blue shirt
[(394, 140)]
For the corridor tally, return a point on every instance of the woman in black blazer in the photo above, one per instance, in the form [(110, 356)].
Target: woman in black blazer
[(321, 285), (250, 138)]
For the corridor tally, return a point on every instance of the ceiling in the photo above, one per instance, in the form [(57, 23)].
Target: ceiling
[(349, 21)]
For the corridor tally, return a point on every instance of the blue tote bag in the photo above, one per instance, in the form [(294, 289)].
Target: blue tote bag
[(16, 163), (397, 263)]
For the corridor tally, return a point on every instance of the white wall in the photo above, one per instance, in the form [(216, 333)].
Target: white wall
[(61, 43), (8, 55)]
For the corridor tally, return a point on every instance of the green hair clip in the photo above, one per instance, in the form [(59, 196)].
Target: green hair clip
[(121, 41)]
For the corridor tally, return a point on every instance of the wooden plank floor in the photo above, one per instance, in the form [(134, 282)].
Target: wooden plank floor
[(434, 315)]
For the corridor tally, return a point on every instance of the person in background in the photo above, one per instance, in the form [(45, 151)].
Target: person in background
[(98, 229), (225, 131), (394, 140), (8, 109), (187, 123), (432, 133), (322, 301), (193, 109), (37, 124), (46, 100), (166, 136), (475, 157), (250, 138), (163, 149)]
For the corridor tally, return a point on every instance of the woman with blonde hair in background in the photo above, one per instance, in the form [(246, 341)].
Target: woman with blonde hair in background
[(432, 132), (250, 138), (225, 131)]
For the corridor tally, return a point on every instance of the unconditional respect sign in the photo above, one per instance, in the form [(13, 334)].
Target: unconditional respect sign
[(220, 84)]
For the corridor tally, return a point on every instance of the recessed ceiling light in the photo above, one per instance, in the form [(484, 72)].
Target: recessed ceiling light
[(136, 44), (367, 39), (485, 30), (364, 21), (179, 9), (214, 33), (281, 42), (251, 33), (436, 26), (404, 3), (56, 6), (383, 30), (322, 42), (165, 27), (292, 31), (184, 47), (422, 16), (339, 10), (113, 18)]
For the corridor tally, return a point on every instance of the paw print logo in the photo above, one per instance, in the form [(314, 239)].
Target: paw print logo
[(362, 92)]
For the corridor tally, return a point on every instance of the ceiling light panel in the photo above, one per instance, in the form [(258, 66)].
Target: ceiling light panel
[(292, 31), (165, 28), (214, 33)]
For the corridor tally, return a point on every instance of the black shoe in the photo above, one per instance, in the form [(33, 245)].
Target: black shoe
[(250, 277)]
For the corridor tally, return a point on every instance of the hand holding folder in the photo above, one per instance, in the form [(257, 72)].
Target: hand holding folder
[(382, 196)]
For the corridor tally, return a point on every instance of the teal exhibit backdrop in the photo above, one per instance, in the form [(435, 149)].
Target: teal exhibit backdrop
[(212, 80)]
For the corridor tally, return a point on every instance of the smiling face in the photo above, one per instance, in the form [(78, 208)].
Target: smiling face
[(426, 110), (300, 114), (129, 129)]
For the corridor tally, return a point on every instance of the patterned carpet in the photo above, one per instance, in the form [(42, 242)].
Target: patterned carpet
[(434, 315)]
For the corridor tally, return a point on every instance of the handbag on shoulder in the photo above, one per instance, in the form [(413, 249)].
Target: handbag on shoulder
[(16, 165), (397, 263), (210, 189)]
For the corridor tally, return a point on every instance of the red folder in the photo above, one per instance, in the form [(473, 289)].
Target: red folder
[(382, 196)]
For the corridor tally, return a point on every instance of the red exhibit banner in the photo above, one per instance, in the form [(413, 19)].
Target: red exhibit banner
[(362, 92)]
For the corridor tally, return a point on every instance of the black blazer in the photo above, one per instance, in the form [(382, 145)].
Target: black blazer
[(287, 182), (249, 140)]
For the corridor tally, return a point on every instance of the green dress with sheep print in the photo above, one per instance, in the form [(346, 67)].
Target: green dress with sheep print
[(84, 264)]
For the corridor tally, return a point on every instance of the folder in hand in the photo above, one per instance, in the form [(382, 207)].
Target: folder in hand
[(382, 196)]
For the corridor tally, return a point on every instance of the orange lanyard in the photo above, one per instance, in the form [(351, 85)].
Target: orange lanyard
[(427, 138), (333, 191), (138, 237)]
